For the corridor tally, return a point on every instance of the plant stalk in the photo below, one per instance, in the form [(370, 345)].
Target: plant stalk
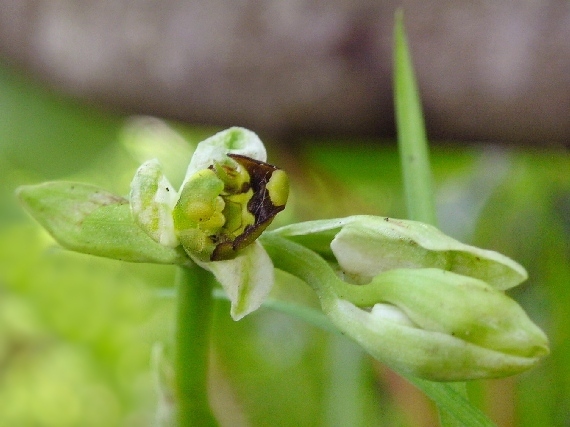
[(194, 314)]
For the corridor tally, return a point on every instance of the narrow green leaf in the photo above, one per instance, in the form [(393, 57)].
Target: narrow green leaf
[(448, 397), (412, 140), (88, 219)]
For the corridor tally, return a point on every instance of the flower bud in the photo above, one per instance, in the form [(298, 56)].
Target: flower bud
[(460, 306), (423, 302), (365, 246), (427, 354), (438, 325)]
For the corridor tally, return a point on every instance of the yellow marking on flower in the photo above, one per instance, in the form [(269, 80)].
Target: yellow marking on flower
[(224, 208)]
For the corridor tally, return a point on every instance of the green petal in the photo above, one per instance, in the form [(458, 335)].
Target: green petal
[(215, 149), (246, 279), (88, 219), (365, 246), (198, 213), (152, 201)]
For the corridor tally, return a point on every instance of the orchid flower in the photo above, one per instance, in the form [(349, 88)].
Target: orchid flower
[(228, 197)]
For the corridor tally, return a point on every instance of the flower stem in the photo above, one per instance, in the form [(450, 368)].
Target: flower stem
[(194, 313), (303, 263)]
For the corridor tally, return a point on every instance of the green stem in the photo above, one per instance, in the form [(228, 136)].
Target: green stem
[(303, 263), (194, 313)]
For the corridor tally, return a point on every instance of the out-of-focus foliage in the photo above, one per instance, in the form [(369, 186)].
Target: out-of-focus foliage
[(76, 332)]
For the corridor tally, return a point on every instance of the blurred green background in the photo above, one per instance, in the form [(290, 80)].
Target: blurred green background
[(77, 333)]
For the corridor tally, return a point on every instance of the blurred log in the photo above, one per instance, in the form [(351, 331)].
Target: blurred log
[(496, 71)]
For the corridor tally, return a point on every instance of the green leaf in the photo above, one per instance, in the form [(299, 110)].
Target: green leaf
[(412, 139), (88, 219)]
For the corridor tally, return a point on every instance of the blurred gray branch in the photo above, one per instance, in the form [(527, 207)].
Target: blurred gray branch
[(487, 70)]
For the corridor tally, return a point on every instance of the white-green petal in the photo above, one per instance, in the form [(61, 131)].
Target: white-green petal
[(246, 279), (234, 140), (365, 246), (389, 312), (152, 201)]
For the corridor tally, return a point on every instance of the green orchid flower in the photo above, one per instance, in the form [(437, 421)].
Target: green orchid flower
[(228, 198), (413, 297)]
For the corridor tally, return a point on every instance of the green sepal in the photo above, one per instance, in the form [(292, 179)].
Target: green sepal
[(85, 218), (364, 246), (215, 149)]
